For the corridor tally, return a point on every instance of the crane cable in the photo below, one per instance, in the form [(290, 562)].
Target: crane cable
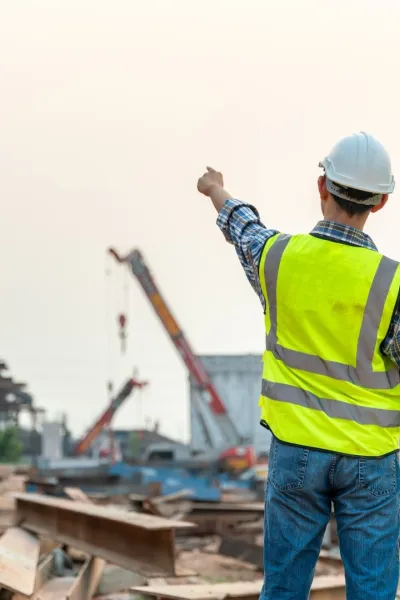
[(116, 302), (109, 272), (123, 316)]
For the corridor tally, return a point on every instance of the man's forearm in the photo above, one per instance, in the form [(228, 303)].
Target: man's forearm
[(218, 197)]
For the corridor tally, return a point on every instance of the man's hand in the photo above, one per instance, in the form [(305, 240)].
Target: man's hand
[(211, 179), (212, 184)]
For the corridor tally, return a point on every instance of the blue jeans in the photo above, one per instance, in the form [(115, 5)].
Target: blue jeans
[(302, 486)]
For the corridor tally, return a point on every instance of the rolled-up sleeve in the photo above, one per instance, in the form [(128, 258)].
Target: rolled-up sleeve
[(240, 223)]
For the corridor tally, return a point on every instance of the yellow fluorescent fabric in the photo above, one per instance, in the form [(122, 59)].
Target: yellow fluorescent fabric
[(325, 383)]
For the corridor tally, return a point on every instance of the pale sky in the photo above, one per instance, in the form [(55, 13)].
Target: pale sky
[(110, 110)]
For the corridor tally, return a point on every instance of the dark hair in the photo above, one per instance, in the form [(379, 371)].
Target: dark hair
[(352, 208)]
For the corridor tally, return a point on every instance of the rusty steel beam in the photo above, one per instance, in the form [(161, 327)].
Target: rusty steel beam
[(227, 512), (137, 542)]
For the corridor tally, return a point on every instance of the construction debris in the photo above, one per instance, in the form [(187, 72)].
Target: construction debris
[(218, 591), (105, 550), (77, 494), (19, 556), (323, 588), (137, 542), (115, 579), (243, 550)]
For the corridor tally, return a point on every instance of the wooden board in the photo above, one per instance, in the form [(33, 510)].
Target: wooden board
[(81, 587), (217, 591), (6, 470), (87, 580), (181, 495), (13, 484), (323, 588), (76, 494), (7, 503), (43, 574), (328, 587), (19, 555), (58, 588)]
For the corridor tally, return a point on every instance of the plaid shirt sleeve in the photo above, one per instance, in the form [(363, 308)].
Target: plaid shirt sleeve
[(391, 344), (240, 223)]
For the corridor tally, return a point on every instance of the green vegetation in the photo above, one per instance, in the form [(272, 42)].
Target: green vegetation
[(134, 445), (10, 445)]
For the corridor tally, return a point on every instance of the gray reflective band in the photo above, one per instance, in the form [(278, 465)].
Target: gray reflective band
[(362, 374), (332, 408)]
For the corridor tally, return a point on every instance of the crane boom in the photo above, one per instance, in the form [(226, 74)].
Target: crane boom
[(193, 363), (106, 417)]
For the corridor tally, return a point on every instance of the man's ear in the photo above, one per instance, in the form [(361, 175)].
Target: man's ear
[(385, 198), (323, 192)]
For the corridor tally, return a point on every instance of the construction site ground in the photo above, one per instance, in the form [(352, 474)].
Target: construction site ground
[(76, 547)]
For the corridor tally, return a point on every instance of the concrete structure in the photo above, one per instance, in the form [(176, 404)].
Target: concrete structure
[(52, 440), (237, 379)]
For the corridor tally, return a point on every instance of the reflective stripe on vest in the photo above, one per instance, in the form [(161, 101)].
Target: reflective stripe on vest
[(362, 374), (332, 408)]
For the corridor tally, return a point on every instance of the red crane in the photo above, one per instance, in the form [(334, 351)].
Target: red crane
[(207, 392), (106, 417)]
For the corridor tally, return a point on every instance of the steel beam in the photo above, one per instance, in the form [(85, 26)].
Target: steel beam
[(137, 542)]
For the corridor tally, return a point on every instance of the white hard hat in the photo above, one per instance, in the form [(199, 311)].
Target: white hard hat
[(360, 162)]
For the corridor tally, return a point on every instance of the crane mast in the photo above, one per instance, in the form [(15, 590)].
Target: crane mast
[(193, 363), (106, 417)]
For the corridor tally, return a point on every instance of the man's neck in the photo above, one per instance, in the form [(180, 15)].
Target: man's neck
[(358, 221)]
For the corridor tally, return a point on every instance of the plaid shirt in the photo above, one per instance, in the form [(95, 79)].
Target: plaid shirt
[(240, 223)]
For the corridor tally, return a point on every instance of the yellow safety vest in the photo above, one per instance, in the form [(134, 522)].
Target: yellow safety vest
[(326, 384)]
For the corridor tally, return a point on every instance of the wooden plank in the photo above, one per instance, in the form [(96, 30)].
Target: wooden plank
[(7, 503), (47, 546), (7, 519), (181, 495), (43, 574), (168, 510), (133, 541), (77, 494), (328, 594), (58, 588), (6, 470), (19, 555), (325, 582), (323, 588), (329, 587), (44, 571), (217, 591), (87, 580)]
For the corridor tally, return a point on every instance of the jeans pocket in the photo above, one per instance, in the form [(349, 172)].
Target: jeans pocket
[(378, 475), (288, 465)]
